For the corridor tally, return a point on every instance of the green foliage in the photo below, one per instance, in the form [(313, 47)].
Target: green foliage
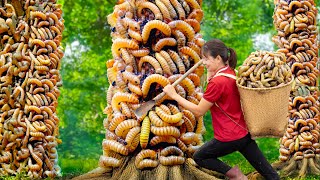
[(235, 22), (87, 47)]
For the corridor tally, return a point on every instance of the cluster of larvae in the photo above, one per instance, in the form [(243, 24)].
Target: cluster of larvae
[(30, 58), (154, 43), (264, 69), (295, 22)]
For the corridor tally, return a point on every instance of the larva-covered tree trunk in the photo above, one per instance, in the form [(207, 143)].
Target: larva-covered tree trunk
[(297, 38), (30, 55), (154, 43)]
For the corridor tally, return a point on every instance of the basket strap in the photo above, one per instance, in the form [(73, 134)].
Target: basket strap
[(226, 75), (230, 117), (235, 78)]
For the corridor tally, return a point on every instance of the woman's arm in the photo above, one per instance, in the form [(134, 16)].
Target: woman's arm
[(197, 110)]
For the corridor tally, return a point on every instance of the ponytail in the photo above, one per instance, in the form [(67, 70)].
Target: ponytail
[(232, 58)]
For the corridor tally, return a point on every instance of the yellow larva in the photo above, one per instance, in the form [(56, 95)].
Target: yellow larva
[(195, 79), (163, 63), (170, 62), (147, 163), (189, 125), (134, 143), (34, 156), (171, 150), (171, 155), (33, 167), (172, 11), (124, 127), (47, 109), (164, 42), (122, 97), (174, 109), (40, 126), (155, 120), (190, 52), (178, 61), (155, 64), (150, 6), (193, 23), (117, 119), (44, 60), (163, 27), (181, 38), (187, 84), (125, 56), (135, 89), (193, 4), (135, 35), (158, 139), (165, 131), (18, 90), (195, 47), (38, 14), (140, 52), (48, 82), (129, 76), (167, 117), (141, 161), (163, 81), (181, 145), (165, 109), (183, 27), (180, 90), (193, 148), (37, 42), (32, 108), (106, 161), (131, 135), (114, 146), (130, 23), (145, 131), (179, 8), (164, 10), (51, 43), (34, 81), (122, 43), (199, 41), (188, 138), (200, 129), (125, 109), (171, 160)]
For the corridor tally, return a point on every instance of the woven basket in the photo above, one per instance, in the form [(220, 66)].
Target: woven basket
[(266, 109)]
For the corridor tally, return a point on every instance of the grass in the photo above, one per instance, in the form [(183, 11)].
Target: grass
[(81, 155), (74, 167)]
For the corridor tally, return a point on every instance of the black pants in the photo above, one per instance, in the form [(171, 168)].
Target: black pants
[(207, 156)]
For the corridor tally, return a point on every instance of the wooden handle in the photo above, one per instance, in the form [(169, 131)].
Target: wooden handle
[(161, 95), (187, 73)]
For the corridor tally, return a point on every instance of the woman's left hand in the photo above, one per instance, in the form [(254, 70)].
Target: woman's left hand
[(170, 91)]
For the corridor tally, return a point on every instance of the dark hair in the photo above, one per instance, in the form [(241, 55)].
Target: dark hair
[(216, 47)]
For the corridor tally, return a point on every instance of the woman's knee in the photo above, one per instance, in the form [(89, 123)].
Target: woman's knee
[(197, 157)]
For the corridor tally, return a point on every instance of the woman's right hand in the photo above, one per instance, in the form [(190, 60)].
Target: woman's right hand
[(170, 91)]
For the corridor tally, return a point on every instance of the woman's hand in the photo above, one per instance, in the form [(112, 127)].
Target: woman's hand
[(170, 91)]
